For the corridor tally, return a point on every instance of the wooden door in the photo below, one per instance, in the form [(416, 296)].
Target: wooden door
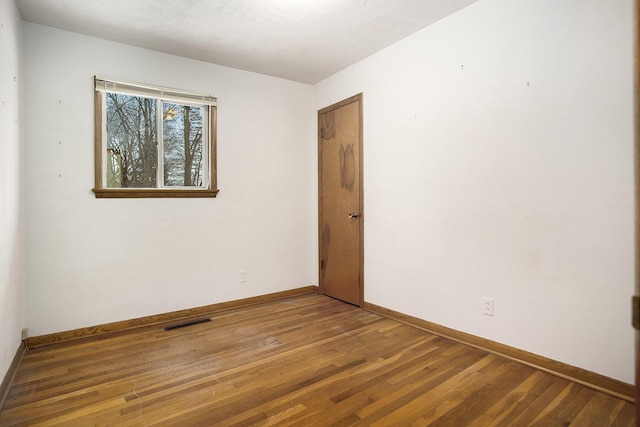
[(340, 200)]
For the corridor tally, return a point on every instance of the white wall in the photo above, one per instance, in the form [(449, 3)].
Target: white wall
[(91, 261), (11, 219), (498, 162)]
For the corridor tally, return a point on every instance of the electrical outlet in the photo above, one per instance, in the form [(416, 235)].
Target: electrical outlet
[(487, 306), (243, 276)]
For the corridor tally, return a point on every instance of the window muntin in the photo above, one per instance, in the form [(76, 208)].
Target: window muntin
[(149, 146)]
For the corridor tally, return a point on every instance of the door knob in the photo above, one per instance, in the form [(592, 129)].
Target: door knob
[(353, 215)]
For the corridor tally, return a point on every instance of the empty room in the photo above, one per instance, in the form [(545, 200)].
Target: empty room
[(319, 212)]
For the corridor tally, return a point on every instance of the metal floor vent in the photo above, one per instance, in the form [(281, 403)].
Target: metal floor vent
[(184, 325)]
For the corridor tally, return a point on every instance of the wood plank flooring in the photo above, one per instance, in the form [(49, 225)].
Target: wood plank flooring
[(308, 360)]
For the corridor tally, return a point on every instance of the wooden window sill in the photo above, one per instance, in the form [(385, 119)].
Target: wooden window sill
[(136, 193)]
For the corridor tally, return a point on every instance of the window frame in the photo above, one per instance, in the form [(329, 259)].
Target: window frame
[(101, 191)]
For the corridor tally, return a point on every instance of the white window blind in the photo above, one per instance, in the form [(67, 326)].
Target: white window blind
[(148, 91)]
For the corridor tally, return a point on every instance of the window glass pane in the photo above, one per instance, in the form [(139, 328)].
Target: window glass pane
[(132, 143), (182, 140)]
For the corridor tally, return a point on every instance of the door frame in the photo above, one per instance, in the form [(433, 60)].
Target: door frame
[(636, 299), (356, 98)]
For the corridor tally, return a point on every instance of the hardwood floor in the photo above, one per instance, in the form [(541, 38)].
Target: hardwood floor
[(307, 360)]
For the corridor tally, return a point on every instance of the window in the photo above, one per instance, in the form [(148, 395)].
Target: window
[(153, 142)]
